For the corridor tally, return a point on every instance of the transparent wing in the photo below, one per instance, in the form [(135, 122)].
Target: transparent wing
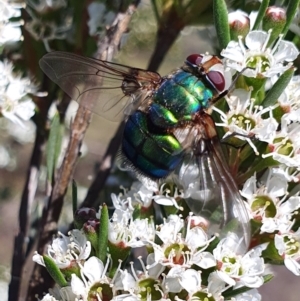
[(114, 88), (211, 190)]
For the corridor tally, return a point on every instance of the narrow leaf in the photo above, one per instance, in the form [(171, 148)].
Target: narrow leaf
[(290, 14), (54, 271), (103, 234), (268, 278), (221, 22), (261, 12), (274, 93)]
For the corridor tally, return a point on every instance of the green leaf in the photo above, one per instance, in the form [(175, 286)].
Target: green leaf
[(277, 89), (268, 278), (54, 145), (262, 10), (103, 234), (290, 15), (270, 254), (233, 292), (54, 271), (221, 22)]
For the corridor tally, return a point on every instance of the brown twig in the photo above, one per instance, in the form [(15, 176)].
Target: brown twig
[(20, 244), (81, 122), (20, 249), (104, 170)]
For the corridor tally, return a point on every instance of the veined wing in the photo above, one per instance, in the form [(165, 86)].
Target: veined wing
[(211, 190), (113, 87)]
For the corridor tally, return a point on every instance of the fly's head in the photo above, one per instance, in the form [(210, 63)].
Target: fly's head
[(211, 69)]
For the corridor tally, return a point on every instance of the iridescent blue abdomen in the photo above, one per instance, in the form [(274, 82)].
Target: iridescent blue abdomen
[(148, 141), (152, 152)]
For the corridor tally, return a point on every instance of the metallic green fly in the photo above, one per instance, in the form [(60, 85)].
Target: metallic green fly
[(167, 127)]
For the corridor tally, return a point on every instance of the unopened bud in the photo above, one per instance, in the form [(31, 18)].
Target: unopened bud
[(274, 19), (239, 24), (82, 215), (91, 229)]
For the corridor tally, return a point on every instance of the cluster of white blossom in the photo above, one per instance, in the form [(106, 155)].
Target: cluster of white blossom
[(180, 259), (10, 32), (271, 203), (15, 102), (179, 264)]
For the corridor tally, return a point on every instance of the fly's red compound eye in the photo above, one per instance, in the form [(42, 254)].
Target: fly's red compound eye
[(217, 79), (194, 59)]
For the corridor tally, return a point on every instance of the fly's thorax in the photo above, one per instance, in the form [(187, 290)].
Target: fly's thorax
[(179, 97)]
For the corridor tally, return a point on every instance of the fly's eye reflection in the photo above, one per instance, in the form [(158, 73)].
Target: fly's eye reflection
[(167, 129)]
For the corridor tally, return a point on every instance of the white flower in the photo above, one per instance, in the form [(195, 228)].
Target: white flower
[(285, 147), (8, 11), (138, 286), (245, 119), (268, 203), (9, 31), (236, 270), (290, 98), (65, 251), (261, 60), (179, 278), (140, 195), (125, 202), (166, 197), (131, 233), (15, 104), (177, 250), (93, 279), (288, 246)]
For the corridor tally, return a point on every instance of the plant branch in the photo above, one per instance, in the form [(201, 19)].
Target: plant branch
[(48, 227)]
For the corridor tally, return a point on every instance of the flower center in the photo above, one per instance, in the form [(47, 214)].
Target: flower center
[(149, 288), (242, 121), (100, 291), (263, 206), (258, 62), (175, 253), (202, 296), (286, 146), (292, 246)]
